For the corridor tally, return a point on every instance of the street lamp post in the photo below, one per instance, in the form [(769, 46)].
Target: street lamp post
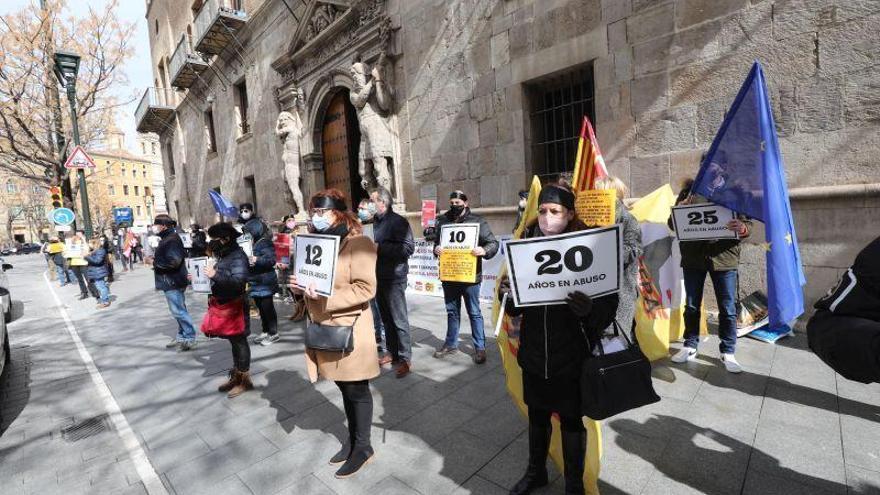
[(66, 69)]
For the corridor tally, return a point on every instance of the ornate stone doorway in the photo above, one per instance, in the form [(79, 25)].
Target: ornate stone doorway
[(340, 142)]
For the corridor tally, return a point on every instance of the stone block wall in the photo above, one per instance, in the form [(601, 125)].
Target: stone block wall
[(665, 71)]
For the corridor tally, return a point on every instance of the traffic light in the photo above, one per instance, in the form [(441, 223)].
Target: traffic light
[(57, 202)]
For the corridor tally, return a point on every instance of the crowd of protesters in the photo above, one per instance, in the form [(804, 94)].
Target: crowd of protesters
[(369, 299)]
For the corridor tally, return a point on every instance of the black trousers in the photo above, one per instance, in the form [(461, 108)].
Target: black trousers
[(391, 297), (241, 352), (358, 402), (84, 287), (268, 315)]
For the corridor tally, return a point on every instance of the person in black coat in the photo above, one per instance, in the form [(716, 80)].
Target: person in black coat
[(229, 279), (554, 342), (454, 292), (169, 272), (394, 240), (263, 280), (845, 329), (199, 242)]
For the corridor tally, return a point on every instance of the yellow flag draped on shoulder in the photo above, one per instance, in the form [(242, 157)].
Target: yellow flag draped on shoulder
[(507, 339)]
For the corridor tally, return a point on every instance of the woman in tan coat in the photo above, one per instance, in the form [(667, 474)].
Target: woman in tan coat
[(353, 288)]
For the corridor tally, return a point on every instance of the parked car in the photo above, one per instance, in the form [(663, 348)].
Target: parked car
[(28, 248), (6, 305)]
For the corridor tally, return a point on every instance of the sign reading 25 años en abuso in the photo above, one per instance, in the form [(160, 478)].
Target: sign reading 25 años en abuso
[(545, 270)]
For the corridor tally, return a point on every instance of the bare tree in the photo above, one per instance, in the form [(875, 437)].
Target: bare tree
[(34, 131)]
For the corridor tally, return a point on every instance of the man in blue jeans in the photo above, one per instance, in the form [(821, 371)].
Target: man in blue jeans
[(719, 259), (454, 292), (169, 270)]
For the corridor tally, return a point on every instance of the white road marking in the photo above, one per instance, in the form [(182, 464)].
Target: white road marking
[(142, 464)]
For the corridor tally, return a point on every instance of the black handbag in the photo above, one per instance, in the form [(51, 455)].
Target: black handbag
[(320, 337), (616, 382)]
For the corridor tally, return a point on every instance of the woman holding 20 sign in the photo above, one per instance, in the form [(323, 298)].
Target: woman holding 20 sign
[(554, 342)]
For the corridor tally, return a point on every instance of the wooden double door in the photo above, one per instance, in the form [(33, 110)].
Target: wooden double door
[(340, 140)]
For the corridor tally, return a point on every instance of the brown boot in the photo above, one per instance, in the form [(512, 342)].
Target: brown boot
[(244, 384), (233, 381)]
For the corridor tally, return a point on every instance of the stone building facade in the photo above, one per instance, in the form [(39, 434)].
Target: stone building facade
[(487, 93)]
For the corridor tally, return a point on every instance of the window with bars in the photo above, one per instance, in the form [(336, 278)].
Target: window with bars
[(557, 107)]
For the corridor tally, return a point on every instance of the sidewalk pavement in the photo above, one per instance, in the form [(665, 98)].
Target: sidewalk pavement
[(786, 425)]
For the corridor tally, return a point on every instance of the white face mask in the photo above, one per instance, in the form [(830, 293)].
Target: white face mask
[(246, 215), (155, 229)]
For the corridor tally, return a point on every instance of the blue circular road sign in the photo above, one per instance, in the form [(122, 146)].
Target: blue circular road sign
[(62, 216)]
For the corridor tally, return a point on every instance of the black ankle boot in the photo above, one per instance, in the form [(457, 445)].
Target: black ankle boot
[(360, 456), (536, 472), (574, 449)]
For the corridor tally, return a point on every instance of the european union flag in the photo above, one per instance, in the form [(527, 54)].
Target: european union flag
[(222, 205), (743, 171)]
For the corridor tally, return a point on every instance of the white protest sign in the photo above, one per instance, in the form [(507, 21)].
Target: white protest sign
[(196, 268), (314, 261), (459, 236), (247, 244), (73, 249), (701, 222), (187, 239), (545, 270)]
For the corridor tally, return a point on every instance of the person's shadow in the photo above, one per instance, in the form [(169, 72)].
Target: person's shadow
[(712, 462)]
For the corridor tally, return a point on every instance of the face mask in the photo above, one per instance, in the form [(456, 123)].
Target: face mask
[(522, 204), (155, 229), (320, 223), (552, 225), (290, 225), (246, 215), (364, 214), (456, 209), (371, 207)]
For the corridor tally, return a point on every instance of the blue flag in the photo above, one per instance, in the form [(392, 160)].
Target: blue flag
[(743, 171), (222, 205)]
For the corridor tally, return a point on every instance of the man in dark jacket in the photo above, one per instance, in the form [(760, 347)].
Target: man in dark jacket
[(394, 239), (453, 292), (719, 259), (169, 269), (199, 242)]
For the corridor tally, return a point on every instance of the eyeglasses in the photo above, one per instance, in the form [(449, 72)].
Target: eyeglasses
[(320, 211), (245, 211)]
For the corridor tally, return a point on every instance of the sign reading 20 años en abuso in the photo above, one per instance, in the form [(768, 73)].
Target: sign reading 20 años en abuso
[(545, 270)]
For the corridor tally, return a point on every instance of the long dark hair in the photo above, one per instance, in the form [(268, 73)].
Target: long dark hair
[(343, 215)]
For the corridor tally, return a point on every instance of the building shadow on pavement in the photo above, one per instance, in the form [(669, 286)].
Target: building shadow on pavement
[(761, 385), (713, 463), (15, 389)]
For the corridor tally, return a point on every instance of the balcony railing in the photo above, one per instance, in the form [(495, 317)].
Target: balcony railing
[(186, 64), (216, 25), (156, 110)]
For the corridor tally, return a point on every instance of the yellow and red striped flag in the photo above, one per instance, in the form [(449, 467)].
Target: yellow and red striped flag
[(589, 164)]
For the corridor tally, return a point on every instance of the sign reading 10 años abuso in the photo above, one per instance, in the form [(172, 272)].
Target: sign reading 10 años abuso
[(545, 270)]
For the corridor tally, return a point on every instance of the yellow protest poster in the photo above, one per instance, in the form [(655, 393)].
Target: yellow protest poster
[(597, 208), (458, 265)]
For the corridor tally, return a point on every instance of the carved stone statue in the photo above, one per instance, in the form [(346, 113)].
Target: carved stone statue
[(371, 98), (289, 129)]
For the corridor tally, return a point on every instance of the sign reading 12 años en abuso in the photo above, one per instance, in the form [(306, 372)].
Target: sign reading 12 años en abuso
[(545, 270)]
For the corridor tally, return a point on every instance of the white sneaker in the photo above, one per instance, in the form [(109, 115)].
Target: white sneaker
[(260, 338), (270, 339), (684, 355), (731, 364)]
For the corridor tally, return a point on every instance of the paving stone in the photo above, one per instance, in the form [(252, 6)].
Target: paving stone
[(213, 467)]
